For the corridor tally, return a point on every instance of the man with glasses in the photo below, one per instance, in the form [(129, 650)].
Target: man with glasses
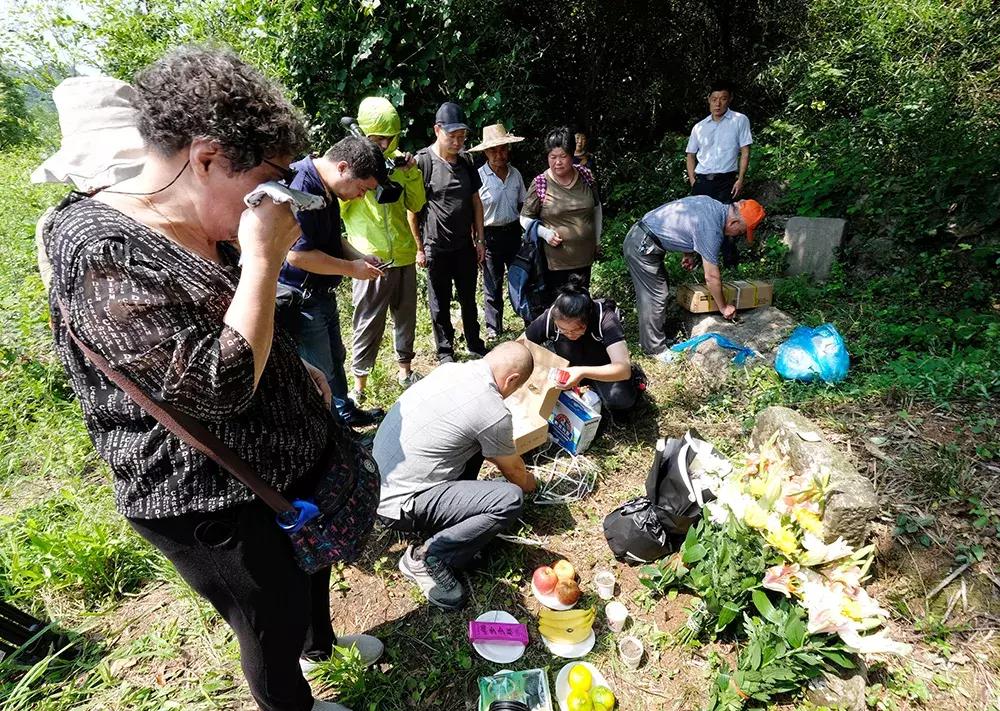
[(307, 301), (451, 231)]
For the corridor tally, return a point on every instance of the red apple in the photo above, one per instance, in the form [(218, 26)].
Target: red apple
[(565, 570), (545, 579), (567, 592)]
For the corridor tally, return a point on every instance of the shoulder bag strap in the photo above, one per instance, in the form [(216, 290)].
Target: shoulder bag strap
[(185, 427)]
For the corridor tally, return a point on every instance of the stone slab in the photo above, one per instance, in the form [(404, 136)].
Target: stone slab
[(851, 503), (813, 243)]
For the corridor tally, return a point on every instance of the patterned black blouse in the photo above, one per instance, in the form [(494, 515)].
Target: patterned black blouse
[(155, 311)]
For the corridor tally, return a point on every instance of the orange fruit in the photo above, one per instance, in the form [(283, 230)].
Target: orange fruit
[(580, 678), (602, 698), (579, 701)]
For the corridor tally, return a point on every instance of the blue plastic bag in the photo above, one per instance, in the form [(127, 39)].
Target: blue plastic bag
[(742, 352), (811, 353)]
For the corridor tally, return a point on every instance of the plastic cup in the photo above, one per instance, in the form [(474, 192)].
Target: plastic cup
[(616, 613), (604, 580), (630, 651)]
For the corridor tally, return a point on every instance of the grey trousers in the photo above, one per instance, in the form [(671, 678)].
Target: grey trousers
[(395, 292), (644, 257), (462, 517)]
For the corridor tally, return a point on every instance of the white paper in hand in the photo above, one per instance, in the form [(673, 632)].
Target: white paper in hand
[(279, 193)]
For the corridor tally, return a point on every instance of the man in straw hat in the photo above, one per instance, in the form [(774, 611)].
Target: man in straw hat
[(697, 226), (503, 195)]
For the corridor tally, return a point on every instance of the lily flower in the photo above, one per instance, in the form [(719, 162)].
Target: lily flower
[(783, 578)]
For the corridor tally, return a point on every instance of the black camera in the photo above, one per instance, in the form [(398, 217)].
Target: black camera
[(387, 191)]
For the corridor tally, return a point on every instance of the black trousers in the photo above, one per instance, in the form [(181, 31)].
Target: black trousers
[(502, 244), (619, 396), (715, 185), (242, 563), (557, 279), (443, 270)]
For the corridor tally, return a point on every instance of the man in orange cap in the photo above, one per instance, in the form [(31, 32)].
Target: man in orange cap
[(696, 225)]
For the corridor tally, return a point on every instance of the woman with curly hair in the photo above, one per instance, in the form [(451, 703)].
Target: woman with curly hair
[(151, 280)]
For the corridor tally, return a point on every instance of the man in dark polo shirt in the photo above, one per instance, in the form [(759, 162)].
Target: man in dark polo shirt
[(451, 231), (307, 302)]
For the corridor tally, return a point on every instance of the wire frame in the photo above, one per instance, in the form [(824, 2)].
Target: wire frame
[(562, 477)]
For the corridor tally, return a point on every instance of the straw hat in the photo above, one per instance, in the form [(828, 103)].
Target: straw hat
[(101, 144), (496, 135)]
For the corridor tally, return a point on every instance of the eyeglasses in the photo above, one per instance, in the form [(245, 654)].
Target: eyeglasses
[(287, 175)]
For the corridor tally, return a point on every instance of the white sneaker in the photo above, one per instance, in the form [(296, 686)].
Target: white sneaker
[(369, 648), (328, 706), (406, 381)]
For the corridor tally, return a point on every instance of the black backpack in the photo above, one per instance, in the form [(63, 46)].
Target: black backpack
[(526, 277), (649, 527)]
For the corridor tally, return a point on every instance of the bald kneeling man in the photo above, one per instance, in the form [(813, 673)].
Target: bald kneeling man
[(430, 448)]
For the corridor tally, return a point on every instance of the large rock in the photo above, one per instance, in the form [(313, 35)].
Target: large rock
[(834, 692), (851, 503), (813, 243), (762, 329)]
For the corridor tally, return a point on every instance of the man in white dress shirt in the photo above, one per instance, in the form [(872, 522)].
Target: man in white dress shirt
[(718, 151), (502, 194)]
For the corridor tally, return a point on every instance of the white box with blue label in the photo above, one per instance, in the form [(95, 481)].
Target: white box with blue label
[(573, 423)]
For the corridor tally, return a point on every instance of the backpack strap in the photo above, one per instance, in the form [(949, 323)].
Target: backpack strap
[(548, 324), (541, 187), (426, 165), (586, 174)]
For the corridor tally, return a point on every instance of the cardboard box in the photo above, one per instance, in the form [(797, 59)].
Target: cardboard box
[(532, 403), (742, 294), (573, 423)]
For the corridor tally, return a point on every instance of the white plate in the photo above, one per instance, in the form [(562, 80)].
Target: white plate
[(562, 682), (499, 652), (550, 601), (570, 651)]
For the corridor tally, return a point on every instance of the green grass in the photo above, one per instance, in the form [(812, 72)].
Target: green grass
[(921, 387)]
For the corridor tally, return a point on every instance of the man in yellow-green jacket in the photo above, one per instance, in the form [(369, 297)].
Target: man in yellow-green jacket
[(384, 231)]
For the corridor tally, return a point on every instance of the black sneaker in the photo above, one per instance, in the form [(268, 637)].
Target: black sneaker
[(364, 418), (445, 358)]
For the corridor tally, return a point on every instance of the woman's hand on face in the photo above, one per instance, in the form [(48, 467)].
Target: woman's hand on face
[(267, 232)]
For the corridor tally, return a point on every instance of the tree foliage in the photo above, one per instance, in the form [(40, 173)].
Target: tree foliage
[(15, 121)]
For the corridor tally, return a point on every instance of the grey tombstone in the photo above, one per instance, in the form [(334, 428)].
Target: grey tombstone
[(813, 243), (851, 503)]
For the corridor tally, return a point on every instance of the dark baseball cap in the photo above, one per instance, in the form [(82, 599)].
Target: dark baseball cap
[(450, 117)]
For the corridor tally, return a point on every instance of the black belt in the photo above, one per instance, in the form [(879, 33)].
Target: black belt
[(716, 176), (649, 233)]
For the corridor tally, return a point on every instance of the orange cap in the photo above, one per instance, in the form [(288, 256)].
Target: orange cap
[(752, 213)]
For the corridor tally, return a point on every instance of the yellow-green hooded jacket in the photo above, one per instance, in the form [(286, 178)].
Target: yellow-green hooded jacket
[(376, 229)]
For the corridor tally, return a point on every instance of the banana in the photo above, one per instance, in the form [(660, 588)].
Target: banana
[(565, 617), (566, 626), (565, 635)]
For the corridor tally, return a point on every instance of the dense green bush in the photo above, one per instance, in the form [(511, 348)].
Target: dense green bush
[(892, 119), (15, 121)]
